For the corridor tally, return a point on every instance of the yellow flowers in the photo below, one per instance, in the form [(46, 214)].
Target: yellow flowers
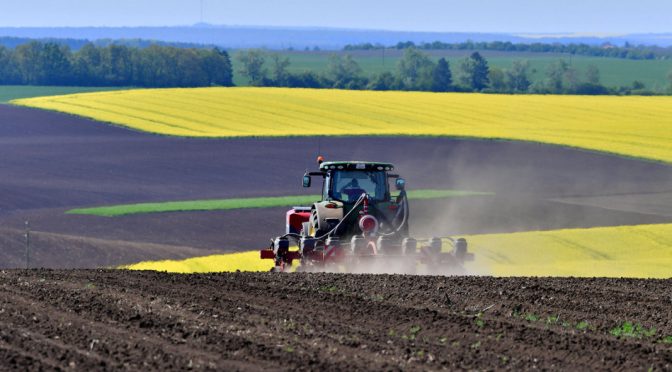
[(633, 126), (243, 261), (626, 251), (643, 251)]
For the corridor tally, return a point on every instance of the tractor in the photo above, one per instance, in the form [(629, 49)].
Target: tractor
[(359, 225)]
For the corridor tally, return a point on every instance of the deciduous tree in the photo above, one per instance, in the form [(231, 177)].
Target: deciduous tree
[(252, 66), (474, 72), (9, 73), (416, 70), (497, 79), (383, 81), (555, 76), (344, 71), (517, 77), (592, 75)]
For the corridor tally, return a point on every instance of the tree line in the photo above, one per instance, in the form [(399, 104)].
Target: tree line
[(50, 63), (628, 51), (416, 71)]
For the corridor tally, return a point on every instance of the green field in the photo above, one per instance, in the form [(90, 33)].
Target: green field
[(10, 92), (613, 71), (240, 203)]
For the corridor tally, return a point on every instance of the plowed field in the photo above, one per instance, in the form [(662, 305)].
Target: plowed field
[(53, 162), (108, 320)]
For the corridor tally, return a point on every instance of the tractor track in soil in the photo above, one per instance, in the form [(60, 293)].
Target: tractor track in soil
[(96, 319)]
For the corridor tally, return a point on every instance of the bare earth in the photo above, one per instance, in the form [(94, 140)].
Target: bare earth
[(52, 162), (110, 320)]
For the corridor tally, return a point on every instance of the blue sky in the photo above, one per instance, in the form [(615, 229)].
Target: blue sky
[(534, 16)]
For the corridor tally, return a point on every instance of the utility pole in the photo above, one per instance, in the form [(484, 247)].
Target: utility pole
[(27, 245)]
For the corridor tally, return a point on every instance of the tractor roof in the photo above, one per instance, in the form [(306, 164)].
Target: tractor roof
[(356, 165)]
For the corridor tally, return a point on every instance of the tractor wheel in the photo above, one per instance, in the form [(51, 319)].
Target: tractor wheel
[(315, 226)]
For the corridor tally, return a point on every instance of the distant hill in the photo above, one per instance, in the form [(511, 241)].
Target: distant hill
[(301, 38), (76, 44)]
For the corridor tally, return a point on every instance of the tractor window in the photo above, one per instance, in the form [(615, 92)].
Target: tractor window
[(325, 187), (348, 186)]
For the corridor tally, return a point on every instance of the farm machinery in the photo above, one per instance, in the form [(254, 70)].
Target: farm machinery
[(359, 226)]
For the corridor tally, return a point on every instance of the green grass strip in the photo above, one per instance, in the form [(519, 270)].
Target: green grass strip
[(241, 203)]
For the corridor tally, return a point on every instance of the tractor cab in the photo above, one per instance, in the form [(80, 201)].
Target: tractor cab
[(351, 189), (345, 182)]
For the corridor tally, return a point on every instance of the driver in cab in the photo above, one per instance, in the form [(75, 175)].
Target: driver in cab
[(352, 190)]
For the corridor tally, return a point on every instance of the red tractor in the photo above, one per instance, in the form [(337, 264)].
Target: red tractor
[(359, 226)]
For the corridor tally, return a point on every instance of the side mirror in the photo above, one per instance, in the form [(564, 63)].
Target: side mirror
[(400, 184), (306, 180)]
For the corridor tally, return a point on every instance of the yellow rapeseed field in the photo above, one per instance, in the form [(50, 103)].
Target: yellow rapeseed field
[(633, 126), (643, 251), (243, 261)]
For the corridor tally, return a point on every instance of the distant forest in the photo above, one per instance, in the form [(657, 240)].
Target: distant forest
[(416, 71), (50, 63), (607, 50)]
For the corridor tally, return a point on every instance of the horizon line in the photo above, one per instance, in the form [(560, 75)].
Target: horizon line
[(525, 34)]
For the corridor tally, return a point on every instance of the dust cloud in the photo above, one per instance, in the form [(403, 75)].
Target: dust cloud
[(528, 182)]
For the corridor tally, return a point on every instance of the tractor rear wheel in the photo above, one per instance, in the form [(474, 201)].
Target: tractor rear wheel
[(315, 224)]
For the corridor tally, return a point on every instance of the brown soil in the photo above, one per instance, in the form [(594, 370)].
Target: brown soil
[(247, 229), (53, 162), (105, 320), (74, 251)]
